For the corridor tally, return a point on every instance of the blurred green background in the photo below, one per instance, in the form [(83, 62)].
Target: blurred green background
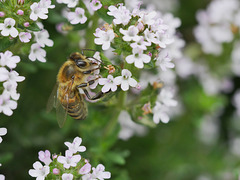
[(168, 152)]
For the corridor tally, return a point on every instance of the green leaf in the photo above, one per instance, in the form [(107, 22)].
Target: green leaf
[(115, 158), (102, 13), (33, 27), (6, 42)]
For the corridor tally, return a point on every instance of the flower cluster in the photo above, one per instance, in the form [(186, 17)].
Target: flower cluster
[(67, 167), (19, 20), (9, 78), (3, 131), (217, 28), (147, 41)]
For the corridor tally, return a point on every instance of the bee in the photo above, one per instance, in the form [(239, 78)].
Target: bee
[(66, 97)]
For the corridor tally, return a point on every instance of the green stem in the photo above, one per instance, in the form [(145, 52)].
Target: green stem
[(120, 106), (89, 35)]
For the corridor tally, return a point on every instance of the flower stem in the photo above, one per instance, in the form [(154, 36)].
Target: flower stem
[(90, 37)]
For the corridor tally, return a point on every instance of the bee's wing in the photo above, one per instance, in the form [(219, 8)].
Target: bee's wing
[(52, 99), (61, 112)]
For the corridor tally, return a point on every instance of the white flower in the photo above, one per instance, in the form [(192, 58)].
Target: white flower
[(3, 131), (163, 39), (125, 80), (75, 145), (130, 34), (6, 104), (2, 177), (104, 38), (38, 11), (166, 97), (164, 61), (95, 5), (37, 53), (99, 172), (45, 157), (121, 14), (129, 127), (108, 84), (47, 4), (14, 77), (7, 59), (147, 17), (3, 74), (39, 171), (42, 38), (70, 3), (138, 58), (149, 36), (86, 168), (67, 176), (8, 27), (25, 37), (159, 113), (11, 88), (77, 16), (88, 177), (69, 159)]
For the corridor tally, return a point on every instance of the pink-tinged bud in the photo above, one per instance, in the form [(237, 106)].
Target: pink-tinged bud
[(138, 86), (140, 26), (26, 24), (2, 14), (54, 156), (20, 12), (56, 171), (20, 2), (150, 54)]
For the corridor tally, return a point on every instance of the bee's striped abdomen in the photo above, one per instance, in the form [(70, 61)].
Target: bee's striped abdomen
[(77, 107)]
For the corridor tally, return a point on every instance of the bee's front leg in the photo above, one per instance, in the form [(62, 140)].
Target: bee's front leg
[(90, 71), (97, 96)]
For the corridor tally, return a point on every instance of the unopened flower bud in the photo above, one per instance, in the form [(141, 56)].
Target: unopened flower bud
[(20, 2), (26, 24), (20, 12), (147, 108), (110, 68), (56, 171), (2, 14)]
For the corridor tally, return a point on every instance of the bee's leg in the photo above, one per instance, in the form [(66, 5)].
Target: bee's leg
[(87, 83), (97, 96), (90, 71)]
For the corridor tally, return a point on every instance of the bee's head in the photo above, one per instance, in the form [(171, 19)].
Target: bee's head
[(81, 61)]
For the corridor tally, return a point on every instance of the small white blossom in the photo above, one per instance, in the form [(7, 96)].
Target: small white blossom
[(108, 84), (75, 145), (3, 74), (159, 113), (77, 16), (88, 177), (147, 17), (39, 171), (7, 59), (125, 80), (166, 97), (67, 176), (130, 34), (121, 14), (149, 36), (69, 159), (164, 61), (45, 157), (86, 168), (11, 88), (38, 11), (3, 132), (100, 173), (14, 77), (138, 58), (70, 3), (6, 104), (25, 37), (104, 38), (47, 4), (7, 28), (42, 38), (37, 53), (2, 177), (95, 5)]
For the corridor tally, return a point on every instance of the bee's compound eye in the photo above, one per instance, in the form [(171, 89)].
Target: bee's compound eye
[(81, 63)]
